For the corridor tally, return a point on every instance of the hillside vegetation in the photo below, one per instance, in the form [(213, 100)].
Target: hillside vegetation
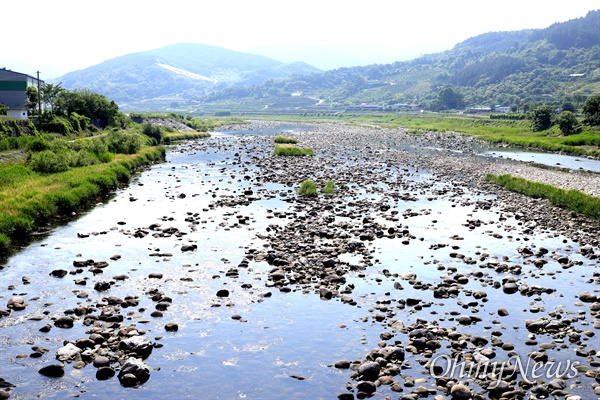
[(181, 72), (514, 69)]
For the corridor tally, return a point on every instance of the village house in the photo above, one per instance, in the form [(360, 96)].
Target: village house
[(13, 91)]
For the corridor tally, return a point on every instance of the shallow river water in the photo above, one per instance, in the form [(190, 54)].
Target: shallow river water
[(280, 343)]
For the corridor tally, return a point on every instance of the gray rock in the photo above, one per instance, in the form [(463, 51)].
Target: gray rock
[(102, 286), (59, 273), (68, 353), (16, 303), (369, 371), (53, 370), (104, 373), (171, 327), (134, 373), (137, 345), (366, 387), (460, 391), (64, 322), (588, 297), (325, 293), (101, 361)]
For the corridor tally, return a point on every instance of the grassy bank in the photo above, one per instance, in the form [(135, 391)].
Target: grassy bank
[(170, 137), (571, 200), (29, 199)]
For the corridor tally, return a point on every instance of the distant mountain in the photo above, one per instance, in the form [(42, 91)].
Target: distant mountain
[(555, 64), (181, 70)]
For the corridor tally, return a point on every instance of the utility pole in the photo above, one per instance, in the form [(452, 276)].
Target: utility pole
[(39, 99)]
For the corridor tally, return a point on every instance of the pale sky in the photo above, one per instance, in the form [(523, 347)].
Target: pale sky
[(60, 36)]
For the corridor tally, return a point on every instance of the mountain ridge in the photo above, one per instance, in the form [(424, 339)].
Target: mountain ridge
[(511, 68), (171, 70)]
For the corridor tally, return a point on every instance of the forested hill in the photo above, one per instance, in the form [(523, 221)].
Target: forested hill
[(498, 68), (182, 70)]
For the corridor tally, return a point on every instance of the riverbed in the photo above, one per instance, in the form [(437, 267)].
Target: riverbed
[(241, 288)]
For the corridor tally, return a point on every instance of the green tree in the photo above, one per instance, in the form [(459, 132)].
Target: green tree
[(568, 106), (33, 97), (96, 107), (449, 99), (542, 118), (153, 131), (50, 94), (3, 109), (568, 123), (591, 110)]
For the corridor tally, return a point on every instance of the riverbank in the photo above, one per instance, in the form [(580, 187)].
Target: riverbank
[(30, 201)]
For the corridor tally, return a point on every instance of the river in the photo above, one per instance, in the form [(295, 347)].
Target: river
[(265, 339)]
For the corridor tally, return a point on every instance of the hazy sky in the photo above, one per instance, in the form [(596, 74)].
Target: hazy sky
[(59, 36)]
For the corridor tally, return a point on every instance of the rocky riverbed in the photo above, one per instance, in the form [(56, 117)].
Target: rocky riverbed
[(415, 279)]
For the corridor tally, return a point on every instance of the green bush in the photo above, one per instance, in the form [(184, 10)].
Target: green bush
[(290, 150), (308, 188), (154, 132), (37, 145), (542, 118), (285, 139), (58, 125), (123, 143), (79, 122), (48, 161)]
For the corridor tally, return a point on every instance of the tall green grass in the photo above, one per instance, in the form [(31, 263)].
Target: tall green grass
[(329, 188), (571, 200), (284, 140), (291, 150), (170, 137), (29, 199), (308, 188)]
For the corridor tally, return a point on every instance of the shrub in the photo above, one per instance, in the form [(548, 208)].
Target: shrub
[(285, 139), (79, 122), (37, 145), (48, 161), (58, 125), (153, 131), (308, 188), (123, 143)]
